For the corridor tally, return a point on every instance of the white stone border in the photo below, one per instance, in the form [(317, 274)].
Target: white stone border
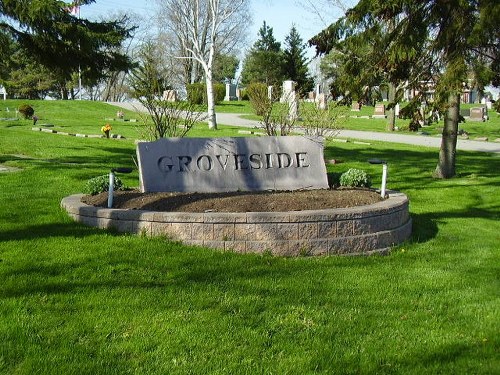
[(52, 131), (342, 231)]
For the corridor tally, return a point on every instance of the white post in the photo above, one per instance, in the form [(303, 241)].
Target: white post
[(110, 190), (384, 180)]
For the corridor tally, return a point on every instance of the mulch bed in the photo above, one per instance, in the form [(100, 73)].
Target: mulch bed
[(274, 201)]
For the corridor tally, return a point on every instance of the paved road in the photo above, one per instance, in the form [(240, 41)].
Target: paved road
[(417, 140)]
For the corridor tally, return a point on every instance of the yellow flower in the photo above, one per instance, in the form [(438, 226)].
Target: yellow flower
[(106, 128)]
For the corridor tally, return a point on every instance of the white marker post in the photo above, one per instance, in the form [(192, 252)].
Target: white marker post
[(384, 174)]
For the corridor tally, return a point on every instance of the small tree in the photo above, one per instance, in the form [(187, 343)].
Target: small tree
[(166, 119), (323, 122)]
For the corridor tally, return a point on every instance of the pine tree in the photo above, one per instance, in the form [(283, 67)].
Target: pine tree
[(442, 39), (295, 62), (62, 42), (264, 62)]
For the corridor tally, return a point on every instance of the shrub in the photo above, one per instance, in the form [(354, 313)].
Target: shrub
[(219, 92), (26, 110), (100, 184), (196, 93), (259, 100), (244, 94), (496, 105), (355, 178)]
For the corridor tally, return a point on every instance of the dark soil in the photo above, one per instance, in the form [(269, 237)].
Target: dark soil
[(237, 201)]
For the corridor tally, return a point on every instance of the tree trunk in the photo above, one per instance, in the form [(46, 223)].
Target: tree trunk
[(212, 119), (447, 154), (391, 115)]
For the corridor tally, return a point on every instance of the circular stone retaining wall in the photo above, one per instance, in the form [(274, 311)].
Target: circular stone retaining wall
[(349, 231)]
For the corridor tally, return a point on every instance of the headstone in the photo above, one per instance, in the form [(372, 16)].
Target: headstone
[(3, 92), (289, 96), (270, 92), (356, 107), (396, 110), (321, 101), (288, 91), (477, 114), (238, 94), (488, 104), (170, 95), (231, 164), (311, 95), (379, 111), (230, 92), (317, 89)]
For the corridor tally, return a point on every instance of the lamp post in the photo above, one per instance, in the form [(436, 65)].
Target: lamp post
[(112, 182), (384, 174)]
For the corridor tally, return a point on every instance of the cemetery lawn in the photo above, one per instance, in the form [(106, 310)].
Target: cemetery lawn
[(78, 300)]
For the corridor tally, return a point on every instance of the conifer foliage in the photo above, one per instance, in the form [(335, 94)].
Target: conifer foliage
[(439, 40), (61, 41)]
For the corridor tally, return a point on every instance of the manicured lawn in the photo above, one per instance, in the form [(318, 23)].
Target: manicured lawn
[(78, 300)]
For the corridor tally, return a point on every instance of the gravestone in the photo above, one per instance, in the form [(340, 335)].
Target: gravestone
[(238, 94), (356, 107), (170, 95), (311, 96), (288, 91), (270, 92), (321, 101), (379, 111), (477, 114), (3, 92), (230, 93), (290, 97), (231, 164)]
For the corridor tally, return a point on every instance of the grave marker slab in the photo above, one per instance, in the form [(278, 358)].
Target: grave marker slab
[(379, 111), (231, 164), (477, 114)]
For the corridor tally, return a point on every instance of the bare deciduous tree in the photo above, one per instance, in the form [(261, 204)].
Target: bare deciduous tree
[(202, 28)]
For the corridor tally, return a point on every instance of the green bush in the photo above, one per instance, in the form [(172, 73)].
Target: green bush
[(197, 93), (244, 94), (496, 105), (26, 110), (100, 184), (259, 99), (355, 178), (219, 92)]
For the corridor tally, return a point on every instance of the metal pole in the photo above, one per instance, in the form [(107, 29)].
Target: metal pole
[(110, 190)]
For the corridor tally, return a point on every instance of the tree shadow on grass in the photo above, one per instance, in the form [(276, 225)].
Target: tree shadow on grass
[(34, 232), (426, 225)]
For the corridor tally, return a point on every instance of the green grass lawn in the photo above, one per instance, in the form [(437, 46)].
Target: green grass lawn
[(78, 300)]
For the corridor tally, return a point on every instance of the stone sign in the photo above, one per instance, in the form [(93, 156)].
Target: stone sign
[(231, 164)]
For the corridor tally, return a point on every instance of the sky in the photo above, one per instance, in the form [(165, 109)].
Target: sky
[(281, 15)]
